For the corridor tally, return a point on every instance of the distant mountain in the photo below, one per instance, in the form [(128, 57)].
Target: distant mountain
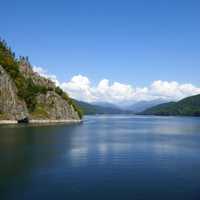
[(92, 109), (143, 105), (189, 106), (105, 104)]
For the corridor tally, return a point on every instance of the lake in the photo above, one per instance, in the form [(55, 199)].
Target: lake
[(106, 157)]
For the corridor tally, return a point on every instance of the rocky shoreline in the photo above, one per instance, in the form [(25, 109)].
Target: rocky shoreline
[(41, 121)]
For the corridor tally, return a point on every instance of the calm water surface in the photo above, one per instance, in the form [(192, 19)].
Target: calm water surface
[(106, 157)]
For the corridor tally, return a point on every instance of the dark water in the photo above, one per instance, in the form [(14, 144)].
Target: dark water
[(107, 157)]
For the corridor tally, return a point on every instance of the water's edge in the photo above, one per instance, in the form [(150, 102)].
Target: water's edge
[(41, 121)]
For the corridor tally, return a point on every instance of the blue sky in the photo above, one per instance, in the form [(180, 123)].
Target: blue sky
[(132, 42)]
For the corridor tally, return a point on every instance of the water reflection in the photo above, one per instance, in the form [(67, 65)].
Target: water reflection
[(79, 156), (115, 155)]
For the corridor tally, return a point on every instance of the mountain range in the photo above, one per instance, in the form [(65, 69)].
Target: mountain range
[(110, 108), (102, 108), (189, 106)]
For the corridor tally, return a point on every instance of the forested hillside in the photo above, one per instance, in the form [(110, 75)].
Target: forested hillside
[(189, 106)]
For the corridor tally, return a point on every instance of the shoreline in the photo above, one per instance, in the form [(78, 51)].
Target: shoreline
[(4, 122), (8, 122), (54, 121)]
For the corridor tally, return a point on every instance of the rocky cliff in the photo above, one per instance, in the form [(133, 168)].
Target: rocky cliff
[(24, 94), (11, 106), (52, 106)]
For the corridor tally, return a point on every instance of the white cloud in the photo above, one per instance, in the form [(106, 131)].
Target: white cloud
[(81, 88), (172, 90)]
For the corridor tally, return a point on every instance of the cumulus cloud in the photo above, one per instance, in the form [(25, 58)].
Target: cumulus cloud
[(172, 90), (81, 88)]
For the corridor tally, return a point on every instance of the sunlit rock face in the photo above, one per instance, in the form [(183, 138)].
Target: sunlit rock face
[(11, 107), (53, 107)]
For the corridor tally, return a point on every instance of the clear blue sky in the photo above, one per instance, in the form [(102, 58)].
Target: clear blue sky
[(128, 41)]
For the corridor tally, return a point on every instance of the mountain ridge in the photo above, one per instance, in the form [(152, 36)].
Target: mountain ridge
[(189, 106)]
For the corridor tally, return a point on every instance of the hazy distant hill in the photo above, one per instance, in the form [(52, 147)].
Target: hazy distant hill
[(189, 106), (106, 104), (109, 108), (91, 109), (143, 105)]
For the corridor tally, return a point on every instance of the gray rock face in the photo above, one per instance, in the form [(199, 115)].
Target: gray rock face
[(11, 107), (53, 107)]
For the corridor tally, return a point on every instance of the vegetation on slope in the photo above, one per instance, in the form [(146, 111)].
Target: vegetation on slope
[(189, 106), (27, 90)]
